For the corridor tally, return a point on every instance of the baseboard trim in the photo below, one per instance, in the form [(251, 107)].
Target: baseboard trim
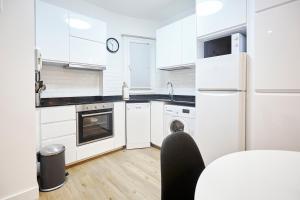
[(155, 146), (29, 194), (78, 162)]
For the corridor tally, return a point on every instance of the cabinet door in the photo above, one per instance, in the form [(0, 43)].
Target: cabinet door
[(220, 123), (87, 52), (58, 129), (261, 5), (57, 114), (87, 28), (275, 122), (70, 144), (232, 14), (169, 45), (157, 123), (52, 32), (119, 124), (277, 47), (189, 40), (137, 125)]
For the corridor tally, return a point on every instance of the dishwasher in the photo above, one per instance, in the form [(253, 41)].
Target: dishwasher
[(137, 125)]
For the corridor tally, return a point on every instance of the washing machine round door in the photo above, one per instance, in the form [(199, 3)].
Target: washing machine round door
[(176, 126)]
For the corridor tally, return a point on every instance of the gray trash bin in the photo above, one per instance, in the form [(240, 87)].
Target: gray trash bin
[(52, 167)]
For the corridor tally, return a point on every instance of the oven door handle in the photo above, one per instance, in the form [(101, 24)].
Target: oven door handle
[(94, 114)]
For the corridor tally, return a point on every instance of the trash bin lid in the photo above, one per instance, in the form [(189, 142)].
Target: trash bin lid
[(52, 149)]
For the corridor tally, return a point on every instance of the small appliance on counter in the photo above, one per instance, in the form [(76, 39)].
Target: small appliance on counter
[(125, 91)]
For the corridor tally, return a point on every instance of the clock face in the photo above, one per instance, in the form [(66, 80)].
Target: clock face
[(112, 45)]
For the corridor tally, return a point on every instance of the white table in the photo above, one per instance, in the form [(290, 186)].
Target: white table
[(251, 175)]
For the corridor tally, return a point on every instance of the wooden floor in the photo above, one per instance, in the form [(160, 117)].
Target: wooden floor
[(125, 174)]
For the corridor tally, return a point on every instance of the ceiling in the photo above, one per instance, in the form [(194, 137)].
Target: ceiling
[(148, 9)]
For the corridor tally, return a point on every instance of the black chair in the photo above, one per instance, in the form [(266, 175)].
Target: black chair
[(181, 166)]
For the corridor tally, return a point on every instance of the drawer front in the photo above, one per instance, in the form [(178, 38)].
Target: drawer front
[(95, 148), (70, 144), (56, 114), (58, 129)]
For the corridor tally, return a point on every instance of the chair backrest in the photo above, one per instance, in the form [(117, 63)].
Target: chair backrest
[(181, 166)]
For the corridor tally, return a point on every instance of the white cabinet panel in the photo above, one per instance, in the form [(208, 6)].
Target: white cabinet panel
[(70, 144), (137, 125), (38, 129), (52, 32), (222, 72), (169, 45), (230, 16), (87, 28), (95, 148), (264, 4), (220, 123), (119, 124), (87, 52), (277, 46), (189, 39), (275, 124), (157, 122), (56, 114), (58, 129)]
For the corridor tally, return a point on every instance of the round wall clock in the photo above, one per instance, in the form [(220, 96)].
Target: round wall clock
[(112, 45)]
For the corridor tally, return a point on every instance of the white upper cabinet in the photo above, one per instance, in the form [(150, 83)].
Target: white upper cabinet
[(87, 40), (189, 39), (220, 15), (176, 44), (277, 47), (168, 45), (87, 28), (87, 52), (265, 4), (52, 32)]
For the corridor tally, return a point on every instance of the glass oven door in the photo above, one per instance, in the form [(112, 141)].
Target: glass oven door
[(94, 125)]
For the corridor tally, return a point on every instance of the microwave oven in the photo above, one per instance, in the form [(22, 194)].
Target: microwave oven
[(231, 44)]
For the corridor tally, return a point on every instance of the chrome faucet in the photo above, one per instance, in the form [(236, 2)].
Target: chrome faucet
[(171, 90)]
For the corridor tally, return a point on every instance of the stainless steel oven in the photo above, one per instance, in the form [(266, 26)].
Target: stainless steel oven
[(94, 122)]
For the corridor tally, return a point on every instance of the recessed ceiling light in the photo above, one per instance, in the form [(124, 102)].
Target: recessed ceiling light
[(78, 23), (209, 7)]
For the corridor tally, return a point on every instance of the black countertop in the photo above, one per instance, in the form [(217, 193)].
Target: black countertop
[(63, 101)]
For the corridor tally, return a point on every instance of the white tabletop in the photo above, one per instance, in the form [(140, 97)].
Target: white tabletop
[(251, 175)]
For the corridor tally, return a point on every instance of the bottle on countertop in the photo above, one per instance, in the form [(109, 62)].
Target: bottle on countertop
[(125, 91)]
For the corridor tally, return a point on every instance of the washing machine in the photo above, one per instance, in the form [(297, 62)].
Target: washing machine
[(179, 118)]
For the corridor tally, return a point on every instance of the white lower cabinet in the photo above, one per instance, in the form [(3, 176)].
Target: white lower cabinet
[(58, 129), (93, 149), (157, 122), (137, 125), (57, 125), (119, 119), (70, 146)]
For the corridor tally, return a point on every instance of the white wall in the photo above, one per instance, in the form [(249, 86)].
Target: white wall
[(117, 25), (17, 120)]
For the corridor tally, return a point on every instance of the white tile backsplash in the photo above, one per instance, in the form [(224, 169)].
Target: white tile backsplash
[(183, 81), (62, 82)]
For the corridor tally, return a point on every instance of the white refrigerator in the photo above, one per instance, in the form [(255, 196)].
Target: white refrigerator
[(220, 105)]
